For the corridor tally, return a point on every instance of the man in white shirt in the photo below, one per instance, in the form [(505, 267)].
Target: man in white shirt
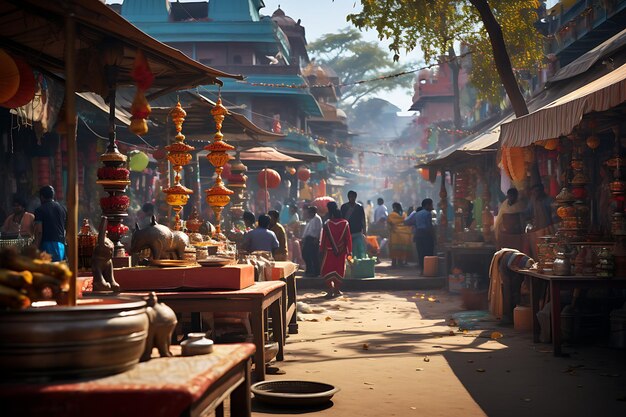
[(381, 213), (311, 242)]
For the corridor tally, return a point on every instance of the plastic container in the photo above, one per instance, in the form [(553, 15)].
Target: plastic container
[(431, 266), (522, 318), (456, 283), (362, 268)]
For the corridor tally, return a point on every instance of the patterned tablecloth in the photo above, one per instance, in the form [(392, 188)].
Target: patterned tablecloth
[(160, 387)]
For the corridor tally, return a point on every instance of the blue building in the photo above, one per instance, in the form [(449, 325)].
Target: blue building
[(232, 35)]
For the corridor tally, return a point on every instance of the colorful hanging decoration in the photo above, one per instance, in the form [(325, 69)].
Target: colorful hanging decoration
[(26, 89), (140, 109), (551, 144), (268, 178), (9, 77), (593, 142), (137, 161), (304, 174), (237, 182), (218, 196), (178, 154)]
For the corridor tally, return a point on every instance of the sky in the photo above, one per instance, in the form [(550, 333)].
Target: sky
[(327, 16)]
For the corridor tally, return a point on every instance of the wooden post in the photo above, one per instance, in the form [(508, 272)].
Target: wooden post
[(443, 206), (72, 166)]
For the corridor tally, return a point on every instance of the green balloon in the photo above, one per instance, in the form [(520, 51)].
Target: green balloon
[(138, 161)]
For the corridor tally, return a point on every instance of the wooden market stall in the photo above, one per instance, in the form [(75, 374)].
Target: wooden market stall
[(91, 48), (581, 135)]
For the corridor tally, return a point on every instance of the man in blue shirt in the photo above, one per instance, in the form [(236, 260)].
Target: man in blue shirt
[(260, 238), (50, 222), (422, 222)]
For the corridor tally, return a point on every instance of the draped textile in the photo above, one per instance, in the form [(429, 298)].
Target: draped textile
[(335, 234)]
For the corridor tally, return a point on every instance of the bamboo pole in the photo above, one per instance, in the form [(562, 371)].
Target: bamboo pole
[(72, 183)]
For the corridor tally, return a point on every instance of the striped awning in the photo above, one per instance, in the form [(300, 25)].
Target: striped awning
[(563, 114)]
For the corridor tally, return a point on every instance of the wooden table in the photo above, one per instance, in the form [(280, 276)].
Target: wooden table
[(556, 284), (168, 387), (256, 300), (286, 272)]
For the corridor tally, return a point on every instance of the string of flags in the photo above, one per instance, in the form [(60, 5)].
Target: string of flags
[(322, 141), (347, 84)]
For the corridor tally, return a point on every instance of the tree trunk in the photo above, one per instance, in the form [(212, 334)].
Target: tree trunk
[(455, 67), (501, 57)]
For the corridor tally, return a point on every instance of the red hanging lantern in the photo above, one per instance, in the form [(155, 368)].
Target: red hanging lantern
[(425, 174), (304, 174), (159, 154), (268, 178), (26, 89), (9, 77)]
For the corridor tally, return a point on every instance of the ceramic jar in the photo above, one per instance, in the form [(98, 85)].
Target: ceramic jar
[(196, 344)]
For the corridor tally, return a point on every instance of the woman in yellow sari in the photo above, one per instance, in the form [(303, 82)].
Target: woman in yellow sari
[(400, 237)]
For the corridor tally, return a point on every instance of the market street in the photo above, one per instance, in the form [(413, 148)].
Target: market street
[(393, 354)]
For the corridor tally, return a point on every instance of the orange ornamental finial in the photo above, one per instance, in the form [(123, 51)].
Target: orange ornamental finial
[(178, 115)]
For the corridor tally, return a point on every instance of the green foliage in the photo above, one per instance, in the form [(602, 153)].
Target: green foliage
[(438, 26), (354, 59)]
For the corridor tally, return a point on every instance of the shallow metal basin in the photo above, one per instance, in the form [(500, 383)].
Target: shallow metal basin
[(100, 336)]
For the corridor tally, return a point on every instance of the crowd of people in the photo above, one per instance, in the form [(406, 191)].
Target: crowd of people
[(324, 245)]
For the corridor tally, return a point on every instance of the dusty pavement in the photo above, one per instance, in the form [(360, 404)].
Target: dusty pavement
[(394, 354)]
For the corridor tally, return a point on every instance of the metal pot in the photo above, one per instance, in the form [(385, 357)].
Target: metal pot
[(99, 336), (562, 264)]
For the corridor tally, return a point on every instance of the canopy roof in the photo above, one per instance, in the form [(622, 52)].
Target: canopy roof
[(561, 115), (586, 60), (265, 154), (35, 29)]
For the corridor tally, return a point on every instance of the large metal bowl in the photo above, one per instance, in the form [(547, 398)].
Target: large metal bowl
[(100, 336)]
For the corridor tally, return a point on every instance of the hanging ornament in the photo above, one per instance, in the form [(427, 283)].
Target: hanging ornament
[(140, 109), (138, 161), (593, 142), (291, 170), (218, 196), (178, 154), (9, 77), (304, 174), (26, 89), (268, 178), (551, 144)]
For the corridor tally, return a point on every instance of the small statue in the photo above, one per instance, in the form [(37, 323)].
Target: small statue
[(162, 321), (161, 241), (101, 261)]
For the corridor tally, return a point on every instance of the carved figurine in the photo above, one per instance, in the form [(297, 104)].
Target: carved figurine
[(101, 261), (160, 240), (162, 323)]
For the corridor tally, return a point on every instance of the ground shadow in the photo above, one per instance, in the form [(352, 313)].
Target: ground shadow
[(261, 407)]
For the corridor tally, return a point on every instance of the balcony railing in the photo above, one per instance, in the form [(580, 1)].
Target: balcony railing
[(584, 16), (259, 69)]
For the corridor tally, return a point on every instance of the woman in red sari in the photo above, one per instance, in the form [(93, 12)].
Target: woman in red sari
[(336, 245)]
